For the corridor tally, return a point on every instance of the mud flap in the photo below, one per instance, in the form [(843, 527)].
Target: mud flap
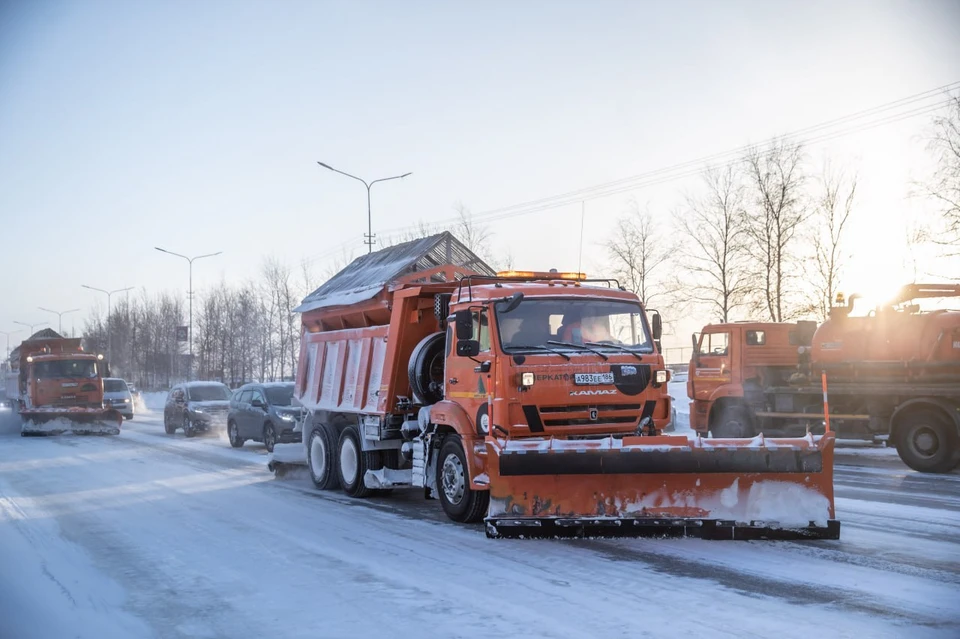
[(664, 486)]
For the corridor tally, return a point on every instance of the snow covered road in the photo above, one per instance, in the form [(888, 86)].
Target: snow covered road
[(150, 535)]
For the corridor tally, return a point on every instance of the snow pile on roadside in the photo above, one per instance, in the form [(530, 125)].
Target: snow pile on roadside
[(155, 400)]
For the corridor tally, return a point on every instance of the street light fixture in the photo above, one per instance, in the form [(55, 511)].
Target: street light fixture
[(59, 315), (369, 185), (7, 334), (109, 294), (190, 293), (30, 326)]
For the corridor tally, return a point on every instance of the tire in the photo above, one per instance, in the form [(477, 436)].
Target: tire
[(168, 428), (353, 463), (426, 370), (320, 458), (927, 442), (188, 429), (233, 434), (460, 502), (269, 436), (732, 422)]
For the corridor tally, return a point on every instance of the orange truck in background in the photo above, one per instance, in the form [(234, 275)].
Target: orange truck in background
[(55, 386), (534, 402), (892, 375)]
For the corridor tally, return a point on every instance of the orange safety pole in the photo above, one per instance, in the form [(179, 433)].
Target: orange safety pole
[(826, 405)]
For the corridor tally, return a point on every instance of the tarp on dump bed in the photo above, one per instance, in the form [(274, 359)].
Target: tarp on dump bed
[(366, 276)]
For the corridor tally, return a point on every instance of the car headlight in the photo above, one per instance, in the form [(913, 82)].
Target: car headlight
[(288, 417), (126, 401), (197, 410), (663, 376)]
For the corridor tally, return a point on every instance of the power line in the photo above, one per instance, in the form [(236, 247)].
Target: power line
[(693, 167)]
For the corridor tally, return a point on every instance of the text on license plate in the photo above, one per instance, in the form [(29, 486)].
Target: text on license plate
[(582, 379)]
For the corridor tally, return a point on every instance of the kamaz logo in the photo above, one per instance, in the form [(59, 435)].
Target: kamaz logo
[(592, 392)]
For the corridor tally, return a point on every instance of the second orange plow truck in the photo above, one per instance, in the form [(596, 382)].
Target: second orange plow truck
[(531, 401)]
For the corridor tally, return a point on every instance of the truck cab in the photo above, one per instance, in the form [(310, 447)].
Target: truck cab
[(733, 364)]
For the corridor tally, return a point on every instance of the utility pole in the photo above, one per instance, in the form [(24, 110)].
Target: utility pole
[(369, 237), (7, 334), (30, 326), (109, 294), (190, 293)]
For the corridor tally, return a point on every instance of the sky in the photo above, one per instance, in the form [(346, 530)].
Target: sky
[(197, 127)]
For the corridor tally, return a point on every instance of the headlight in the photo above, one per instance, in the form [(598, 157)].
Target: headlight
[(126, 401), (197, 410), (526, 379), (287, 417), (662, 377)]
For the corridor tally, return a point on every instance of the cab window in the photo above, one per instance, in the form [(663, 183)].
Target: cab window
[(756, 338), (714, 344), (481, 329)]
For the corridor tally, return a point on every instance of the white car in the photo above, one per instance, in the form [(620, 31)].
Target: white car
[(116, 395)]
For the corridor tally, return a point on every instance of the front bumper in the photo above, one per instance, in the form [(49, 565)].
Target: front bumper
[(711, 529)]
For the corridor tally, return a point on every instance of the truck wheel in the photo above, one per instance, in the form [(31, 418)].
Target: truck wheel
[(732, 422), (269, 437), (459, 501), (353, 463), (426, 369), (927, 442), (320, 461), (233, 434)]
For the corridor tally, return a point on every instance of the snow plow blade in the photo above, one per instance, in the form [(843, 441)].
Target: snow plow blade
[(664, 486), (79, 421)]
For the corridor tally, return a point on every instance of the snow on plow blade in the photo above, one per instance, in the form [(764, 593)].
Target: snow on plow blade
[(663, 486), (80, 421)]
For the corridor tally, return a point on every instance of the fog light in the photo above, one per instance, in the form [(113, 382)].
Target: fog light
[(526, 379), (662, 377)]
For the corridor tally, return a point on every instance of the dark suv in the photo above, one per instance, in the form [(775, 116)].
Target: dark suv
[(264, 413), (195, 407)]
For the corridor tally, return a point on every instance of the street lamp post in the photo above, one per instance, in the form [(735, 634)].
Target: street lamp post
[(190, 293), (109, 294), (30, 326), (7, 334), (369, 185), (59, 315)]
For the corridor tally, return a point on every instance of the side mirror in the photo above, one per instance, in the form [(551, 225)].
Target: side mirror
[(656, 326), (464, 322), (695, 356), (508, 304), (257, 403), (468, 347)]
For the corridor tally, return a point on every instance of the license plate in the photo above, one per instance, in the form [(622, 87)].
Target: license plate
[(588, 379)]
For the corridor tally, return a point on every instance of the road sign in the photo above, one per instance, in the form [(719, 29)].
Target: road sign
[(183, 333)]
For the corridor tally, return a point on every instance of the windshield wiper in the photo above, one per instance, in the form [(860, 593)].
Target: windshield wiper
[(586, 348), (617, 346), (540, 347)]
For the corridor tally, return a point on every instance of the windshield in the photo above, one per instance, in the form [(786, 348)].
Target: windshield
[(66, 368), (543, 322), (114, 386), (280, 395), (210, 393)]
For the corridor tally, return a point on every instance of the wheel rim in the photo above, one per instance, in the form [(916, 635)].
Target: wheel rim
[(318, 456), (453, 481), (348, 460), (234, 435), (924, 442), (269, 437)]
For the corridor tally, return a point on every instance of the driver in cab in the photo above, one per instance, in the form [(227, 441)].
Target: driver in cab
[(579, 329)]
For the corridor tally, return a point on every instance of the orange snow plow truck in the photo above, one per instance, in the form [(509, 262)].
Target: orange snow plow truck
[(531, 401), (56, 387)]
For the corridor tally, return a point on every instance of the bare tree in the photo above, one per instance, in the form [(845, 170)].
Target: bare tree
[(834, 201), (777, 180), (944, 185), (715, 256), (475, 236), (638, 250)]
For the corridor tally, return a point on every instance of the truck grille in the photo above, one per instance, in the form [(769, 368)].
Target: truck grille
[(549, 416)]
